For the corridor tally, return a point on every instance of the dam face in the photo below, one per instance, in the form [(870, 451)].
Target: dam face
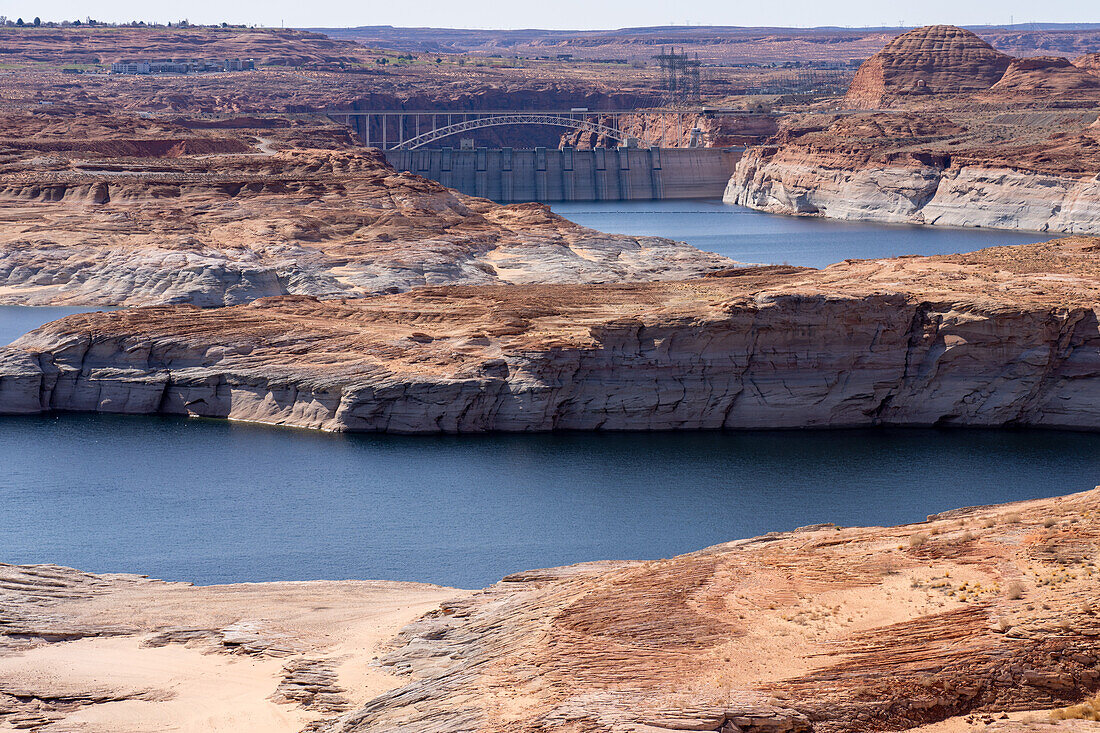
[(548, 175)]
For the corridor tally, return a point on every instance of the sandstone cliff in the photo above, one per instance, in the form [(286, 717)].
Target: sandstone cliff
[(1033, 170), (1090, 62), (1006, 336), (984, 612), (110, 210)]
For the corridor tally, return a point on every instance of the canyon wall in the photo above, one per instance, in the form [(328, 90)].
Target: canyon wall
[(803, 183), (915, 341)]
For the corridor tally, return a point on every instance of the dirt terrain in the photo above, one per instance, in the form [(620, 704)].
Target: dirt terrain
[(105, 45), (975, 620)]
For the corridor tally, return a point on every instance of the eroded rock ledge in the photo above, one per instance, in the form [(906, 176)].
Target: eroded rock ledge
[(1005, 336)]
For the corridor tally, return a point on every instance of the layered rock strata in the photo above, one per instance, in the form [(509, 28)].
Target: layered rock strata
[(1034, 171), (1048, 76), (985, 612), (825, 629), (957, 134), (145, 212), (1006, 336), (933, 60)]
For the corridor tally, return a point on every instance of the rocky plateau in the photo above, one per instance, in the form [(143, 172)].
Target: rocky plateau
[(1001, 337)]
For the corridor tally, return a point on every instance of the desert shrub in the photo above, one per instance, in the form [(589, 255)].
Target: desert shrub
[(1088, 710)]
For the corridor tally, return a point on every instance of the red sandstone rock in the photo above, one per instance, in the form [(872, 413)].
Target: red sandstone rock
[(934, 60), (1090, 62), (1047, 76)]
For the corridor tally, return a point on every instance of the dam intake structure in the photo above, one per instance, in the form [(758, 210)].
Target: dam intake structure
[(549, 175)]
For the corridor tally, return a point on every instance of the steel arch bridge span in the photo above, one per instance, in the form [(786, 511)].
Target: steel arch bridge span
[(515, 119)]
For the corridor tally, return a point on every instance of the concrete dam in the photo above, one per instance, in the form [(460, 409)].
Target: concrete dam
[(601, 174)]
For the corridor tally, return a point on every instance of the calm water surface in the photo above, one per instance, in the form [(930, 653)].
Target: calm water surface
[(16, 320), (752, 236), (213, 501)]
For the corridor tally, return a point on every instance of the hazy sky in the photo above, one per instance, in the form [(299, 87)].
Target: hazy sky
[(564, 13)]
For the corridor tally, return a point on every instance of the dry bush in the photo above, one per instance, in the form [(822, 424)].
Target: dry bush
[(916, 540), (1014, 591), (1088, 710), (1012, 518)]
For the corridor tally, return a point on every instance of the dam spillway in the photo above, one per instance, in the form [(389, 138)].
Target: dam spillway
[(568, 174)]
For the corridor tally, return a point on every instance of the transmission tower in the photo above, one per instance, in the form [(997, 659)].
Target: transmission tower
[(680, 77)]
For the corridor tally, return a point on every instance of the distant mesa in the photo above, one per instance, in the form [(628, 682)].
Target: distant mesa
[(935, 59)]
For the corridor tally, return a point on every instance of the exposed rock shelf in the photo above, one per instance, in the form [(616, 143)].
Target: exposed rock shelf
[(1006, 336), (983, 612)]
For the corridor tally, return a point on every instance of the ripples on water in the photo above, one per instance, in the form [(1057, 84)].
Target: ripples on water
[(212, 501), (752, 236)]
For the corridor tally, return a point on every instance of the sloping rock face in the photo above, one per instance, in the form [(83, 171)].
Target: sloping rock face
[(1049, 76), (826, 629), (1007, 336), (1090, 62), (135, 212), (933, 60), (1036, 170)]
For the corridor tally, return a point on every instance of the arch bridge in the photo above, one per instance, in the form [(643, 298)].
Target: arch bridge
[(522, 118), (412, 129)]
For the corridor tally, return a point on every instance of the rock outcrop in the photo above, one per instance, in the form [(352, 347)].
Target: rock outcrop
[(142, 212), (107, 653), (1047, 76), (973, 138), (825, 629), (929, 191), (981, 612), (933, 60), (1006, 336), (1034, 170), (1090, 62)]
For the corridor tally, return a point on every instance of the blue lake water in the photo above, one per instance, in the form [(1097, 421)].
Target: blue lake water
[(16, 320), (752, 236), (212, 501)]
